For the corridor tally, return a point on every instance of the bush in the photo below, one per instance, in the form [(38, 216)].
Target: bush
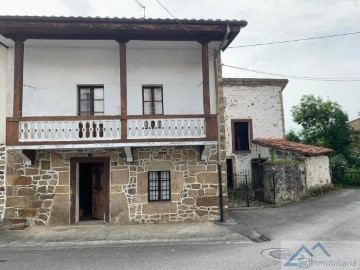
[(354, 162), (338, 163)]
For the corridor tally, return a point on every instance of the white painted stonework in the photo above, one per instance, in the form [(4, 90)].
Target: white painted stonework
[(263, 105), (317, 171), (53, 69)]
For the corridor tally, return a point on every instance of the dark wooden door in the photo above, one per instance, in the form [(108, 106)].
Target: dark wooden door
[(229, 170), (98, 191)]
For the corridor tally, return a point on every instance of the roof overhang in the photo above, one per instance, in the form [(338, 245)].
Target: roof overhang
[(304, 149), (33, 27)]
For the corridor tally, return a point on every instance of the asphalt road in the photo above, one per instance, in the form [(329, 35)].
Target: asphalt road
[(332, 217)]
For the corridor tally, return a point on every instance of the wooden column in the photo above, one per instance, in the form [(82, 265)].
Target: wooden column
[(18, 78), (205, 72), (123, 90)]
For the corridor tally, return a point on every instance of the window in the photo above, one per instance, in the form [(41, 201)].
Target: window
[(91, 100), (242, 134), (159, 186), (152, 100)]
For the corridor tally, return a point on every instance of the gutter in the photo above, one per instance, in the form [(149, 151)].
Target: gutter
[(219, 168)]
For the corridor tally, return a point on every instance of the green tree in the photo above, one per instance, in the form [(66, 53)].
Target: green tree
[(292, 135), (324, 124)]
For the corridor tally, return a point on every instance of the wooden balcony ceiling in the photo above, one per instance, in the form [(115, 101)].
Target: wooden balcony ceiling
[(121, 29)]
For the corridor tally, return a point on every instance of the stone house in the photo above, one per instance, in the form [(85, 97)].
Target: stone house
[(255, 131), (297, 169), (254, 109), (355, 136), (112, 119)]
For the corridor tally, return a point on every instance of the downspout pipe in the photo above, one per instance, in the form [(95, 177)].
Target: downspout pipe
[(219, 167)]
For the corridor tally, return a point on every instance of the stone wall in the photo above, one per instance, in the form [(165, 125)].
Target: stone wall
[(30, 190), (290, 182), (2, 180), (42, 195), (317, 172), (293, 178), (194, 187)]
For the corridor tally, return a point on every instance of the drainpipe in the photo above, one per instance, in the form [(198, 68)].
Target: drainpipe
[(218, 123)]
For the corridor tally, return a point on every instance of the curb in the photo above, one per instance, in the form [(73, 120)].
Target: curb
[(246, 208), (122, 242)]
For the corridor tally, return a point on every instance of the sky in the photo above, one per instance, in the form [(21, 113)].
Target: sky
[(268, 21)]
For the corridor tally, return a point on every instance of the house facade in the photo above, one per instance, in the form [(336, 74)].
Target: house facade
[(112, 119), (355, 136), (256, 148), (254, 109)]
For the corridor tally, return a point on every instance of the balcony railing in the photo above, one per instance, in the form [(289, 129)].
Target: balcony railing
[(87, 130), (56, 130), (160, 128)]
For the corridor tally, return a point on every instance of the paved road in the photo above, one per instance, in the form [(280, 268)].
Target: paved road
[(334, 216)]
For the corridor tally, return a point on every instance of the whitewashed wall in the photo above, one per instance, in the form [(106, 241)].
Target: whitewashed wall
[(3, 86), (262, 104), (317, 171), (51, 76), (52, 73)]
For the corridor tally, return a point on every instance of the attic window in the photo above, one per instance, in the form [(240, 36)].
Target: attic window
[(242, 134)]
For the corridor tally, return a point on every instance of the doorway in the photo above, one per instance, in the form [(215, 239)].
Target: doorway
[(89, 189), (229, 172)]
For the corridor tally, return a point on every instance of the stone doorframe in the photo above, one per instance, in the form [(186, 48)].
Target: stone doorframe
[(73, 179)]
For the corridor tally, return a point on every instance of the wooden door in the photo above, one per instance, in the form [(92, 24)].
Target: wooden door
[(98, 191)]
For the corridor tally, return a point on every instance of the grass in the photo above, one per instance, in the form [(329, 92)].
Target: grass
[(344, 186)]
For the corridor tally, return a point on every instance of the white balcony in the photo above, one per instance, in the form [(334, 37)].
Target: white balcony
[(67, 130), (159, 128)]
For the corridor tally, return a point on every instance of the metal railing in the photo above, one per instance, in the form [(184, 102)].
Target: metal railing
[(252, 189), (346, 177)]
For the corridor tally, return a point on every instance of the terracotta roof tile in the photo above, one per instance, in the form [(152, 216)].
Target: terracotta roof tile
[(305, 149)]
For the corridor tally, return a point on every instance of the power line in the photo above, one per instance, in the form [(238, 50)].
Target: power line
[(183, 26), (294, 40), (295, 76)]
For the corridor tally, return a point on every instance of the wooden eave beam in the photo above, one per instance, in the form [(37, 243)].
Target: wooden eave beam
[(117, 31)]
